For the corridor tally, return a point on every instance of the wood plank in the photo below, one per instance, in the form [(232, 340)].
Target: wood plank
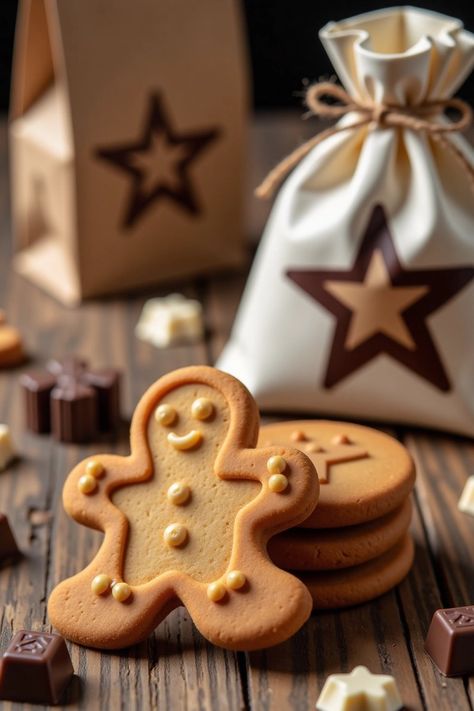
[(174, 664), (444, 463)]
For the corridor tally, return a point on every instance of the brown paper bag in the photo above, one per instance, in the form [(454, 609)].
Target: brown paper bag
[(127, 142)]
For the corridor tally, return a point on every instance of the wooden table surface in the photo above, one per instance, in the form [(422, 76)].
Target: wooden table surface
[(175, 669)]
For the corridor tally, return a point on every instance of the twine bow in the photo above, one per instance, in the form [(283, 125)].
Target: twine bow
[(423, 117)]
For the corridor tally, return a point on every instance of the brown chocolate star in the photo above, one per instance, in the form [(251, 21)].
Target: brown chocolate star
[(381, 307), (159, 163)]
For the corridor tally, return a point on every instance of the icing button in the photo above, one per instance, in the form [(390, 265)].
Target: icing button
[(121, 591), (87, 484), (187, 441), (175, 534), (216, 591), (276, 464), (165, 414), (100, 584), (95, 469), (235, 579), (178, 493), (277, 483), (340, 439), (202, 408)]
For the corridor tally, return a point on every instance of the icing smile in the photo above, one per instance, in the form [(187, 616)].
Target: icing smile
[(186, 441)]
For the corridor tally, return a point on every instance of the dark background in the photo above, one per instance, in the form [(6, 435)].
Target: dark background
[(283, 41)]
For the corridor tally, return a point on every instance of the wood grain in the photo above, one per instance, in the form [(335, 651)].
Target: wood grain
[(176, 669)]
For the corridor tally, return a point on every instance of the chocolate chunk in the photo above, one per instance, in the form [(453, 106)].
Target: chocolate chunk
[(8, 546), (450, 640), (71, 401), (35, 668), (37, 388)]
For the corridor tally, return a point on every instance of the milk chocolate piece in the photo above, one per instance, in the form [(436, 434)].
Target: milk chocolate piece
[(35, 668), (450, 640), (8, 546), (71, 401)]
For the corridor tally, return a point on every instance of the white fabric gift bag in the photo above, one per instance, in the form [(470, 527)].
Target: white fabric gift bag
[(360, 302)]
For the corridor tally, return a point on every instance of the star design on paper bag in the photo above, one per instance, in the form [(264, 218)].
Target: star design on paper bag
[(381, 307), (159, 163)]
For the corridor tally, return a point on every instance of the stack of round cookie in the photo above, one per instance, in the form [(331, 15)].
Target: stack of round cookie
[(355, 545)]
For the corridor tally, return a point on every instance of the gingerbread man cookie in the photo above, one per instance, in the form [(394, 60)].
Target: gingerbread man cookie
[(186, 519)]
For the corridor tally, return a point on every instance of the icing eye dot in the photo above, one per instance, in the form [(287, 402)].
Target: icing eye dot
[(178, 493), (87, 484), (95, 469), (100, 584), (235, 579), (340, 439), (202, 408), (277, 483), (175, 534), (276, 464), (165, 415), (216, 591), (121, 591)]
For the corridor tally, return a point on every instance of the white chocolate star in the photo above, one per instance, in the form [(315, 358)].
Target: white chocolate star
[(376, 304), (359, 691), (466, 502)]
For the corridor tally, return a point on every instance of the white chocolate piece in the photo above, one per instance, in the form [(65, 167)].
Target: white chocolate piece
[(216, 591), (466, 502), (175, 534), (359, 691), (87, 484), (95, 469), (178, 493), (100, 584), (187, 441), (169, 320), (7, 451), (276, 465), (121, 591), (235, 579), (277, 483), (165, 415), (202, 408)]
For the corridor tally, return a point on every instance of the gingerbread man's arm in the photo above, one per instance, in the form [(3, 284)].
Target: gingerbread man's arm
[(87, 491), (288, 479)]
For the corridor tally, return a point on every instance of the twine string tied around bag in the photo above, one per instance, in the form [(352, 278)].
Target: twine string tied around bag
[(420, 118)]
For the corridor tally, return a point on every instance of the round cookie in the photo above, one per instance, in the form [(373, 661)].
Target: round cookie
[(364, 473), (353, 586), (11, 348), (328, 549)]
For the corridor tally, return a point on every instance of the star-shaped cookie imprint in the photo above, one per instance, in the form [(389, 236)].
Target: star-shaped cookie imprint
[(159, 163), (381, 307)]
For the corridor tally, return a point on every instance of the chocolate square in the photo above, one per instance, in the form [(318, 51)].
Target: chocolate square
[(35, 668), (450, 640)]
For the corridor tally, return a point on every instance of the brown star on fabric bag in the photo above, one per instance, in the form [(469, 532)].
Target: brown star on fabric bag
[(381, 307)]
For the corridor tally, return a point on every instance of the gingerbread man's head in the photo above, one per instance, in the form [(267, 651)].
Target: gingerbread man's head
[(186, 519)]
